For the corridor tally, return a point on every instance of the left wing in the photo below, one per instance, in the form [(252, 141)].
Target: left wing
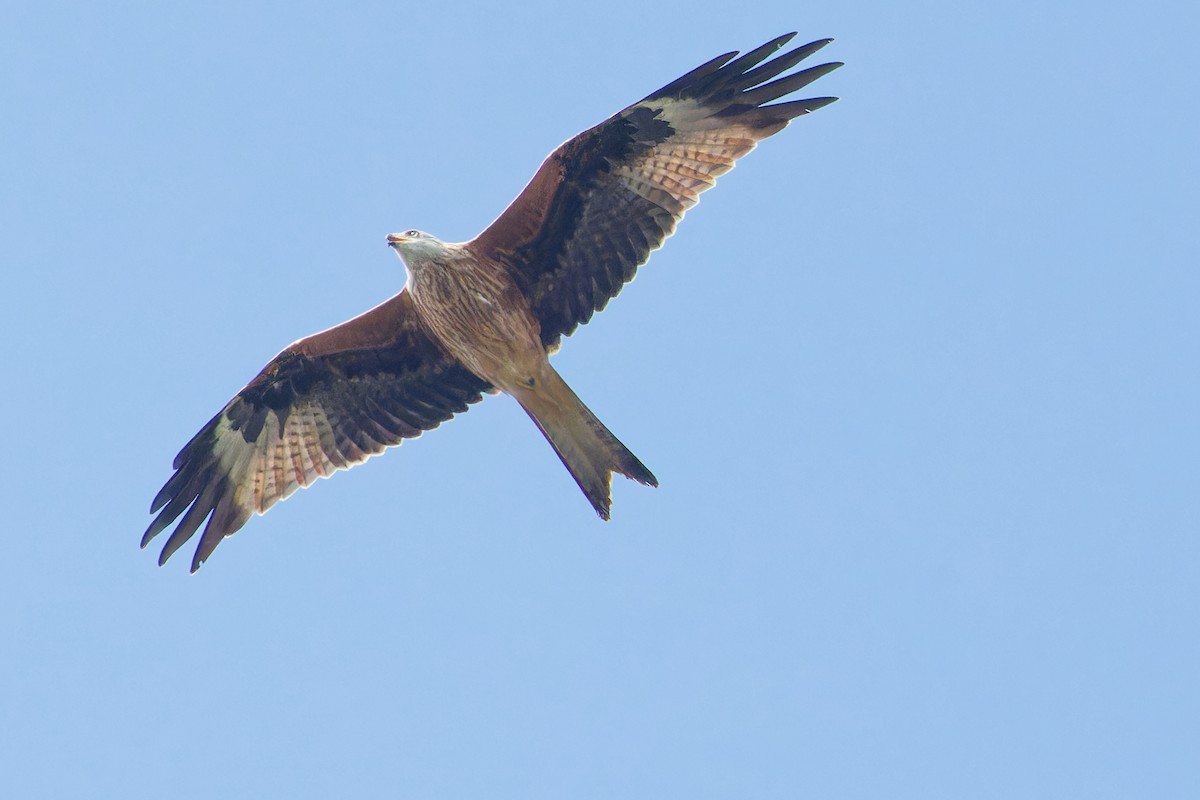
[(325, 403), (605, 199)]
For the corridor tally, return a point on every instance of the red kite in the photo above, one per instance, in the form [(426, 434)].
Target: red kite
[(484, 315)]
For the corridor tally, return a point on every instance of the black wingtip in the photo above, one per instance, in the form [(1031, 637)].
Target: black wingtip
[(699, 73), (735, 72), (819, 102), (759, 54), (154, 529)]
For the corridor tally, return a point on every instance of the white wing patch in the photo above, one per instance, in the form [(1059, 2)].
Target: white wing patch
[(701, 149), (279, 462), (683, 167)]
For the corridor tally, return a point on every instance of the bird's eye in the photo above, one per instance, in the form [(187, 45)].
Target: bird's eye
[(413, 234)]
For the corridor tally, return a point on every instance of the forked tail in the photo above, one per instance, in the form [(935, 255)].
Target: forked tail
[(586, 448)]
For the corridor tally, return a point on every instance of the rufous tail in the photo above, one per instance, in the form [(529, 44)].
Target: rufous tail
[(587, 449)]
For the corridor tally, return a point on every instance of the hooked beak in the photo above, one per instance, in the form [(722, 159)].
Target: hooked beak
[(395, 239)]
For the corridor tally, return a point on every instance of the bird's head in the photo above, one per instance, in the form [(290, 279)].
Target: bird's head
[(415, 243)]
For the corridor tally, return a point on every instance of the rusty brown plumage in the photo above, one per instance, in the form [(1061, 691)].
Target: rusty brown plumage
[(485, 315)]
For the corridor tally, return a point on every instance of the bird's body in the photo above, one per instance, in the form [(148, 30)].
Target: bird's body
[(485, 315), (473, 307)]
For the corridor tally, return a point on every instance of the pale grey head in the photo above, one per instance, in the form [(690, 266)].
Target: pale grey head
[(414, 245)]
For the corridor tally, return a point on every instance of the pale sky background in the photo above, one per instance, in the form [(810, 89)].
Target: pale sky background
[(919, 379)]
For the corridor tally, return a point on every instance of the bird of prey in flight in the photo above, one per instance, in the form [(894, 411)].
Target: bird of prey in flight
[(483, 316)]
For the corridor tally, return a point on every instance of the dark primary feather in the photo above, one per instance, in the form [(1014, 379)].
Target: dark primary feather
[(606, 198), (326, 403)]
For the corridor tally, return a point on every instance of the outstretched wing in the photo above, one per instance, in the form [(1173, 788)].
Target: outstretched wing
[(327, 402), (605, 199)]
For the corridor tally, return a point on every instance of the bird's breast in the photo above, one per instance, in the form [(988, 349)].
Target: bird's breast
[(480, 316)]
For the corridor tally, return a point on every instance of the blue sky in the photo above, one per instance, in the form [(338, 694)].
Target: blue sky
[(919, 380)]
